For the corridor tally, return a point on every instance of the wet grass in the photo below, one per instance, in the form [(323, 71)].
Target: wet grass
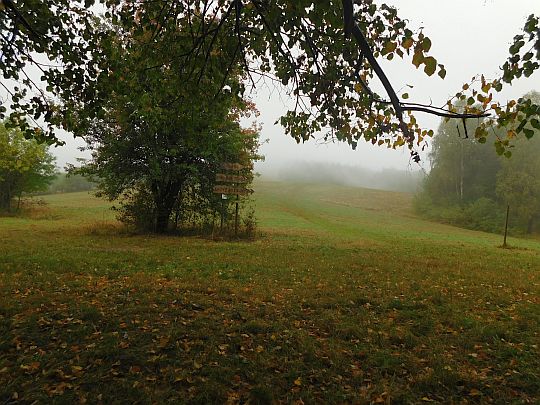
[(345, 297)]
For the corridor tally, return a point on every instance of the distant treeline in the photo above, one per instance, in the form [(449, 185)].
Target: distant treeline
[(348, 175), (470, 185), (69, 183)]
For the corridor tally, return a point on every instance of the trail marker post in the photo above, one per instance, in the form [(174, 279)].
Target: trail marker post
[(506, 225), (235, 184)]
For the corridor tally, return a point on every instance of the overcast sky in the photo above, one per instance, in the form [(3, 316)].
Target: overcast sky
[(469, 37)]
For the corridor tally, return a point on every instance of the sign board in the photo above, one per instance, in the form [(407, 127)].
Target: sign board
[(232, 190), (232, 166), (230, 178)]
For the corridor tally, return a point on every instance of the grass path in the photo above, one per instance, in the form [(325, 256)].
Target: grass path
[(346, 297)]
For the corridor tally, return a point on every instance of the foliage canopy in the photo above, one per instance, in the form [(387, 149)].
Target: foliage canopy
[(325, 51)]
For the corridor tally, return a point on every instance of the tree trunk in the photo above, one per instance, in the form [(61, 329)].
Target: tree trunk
[(164, 208), (530, 225), (162, 219), (164, 198), (5, 201), (177, 208)]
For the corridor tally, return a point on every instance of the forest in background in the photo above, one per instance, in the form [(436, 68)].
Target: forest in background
[(472, 185)]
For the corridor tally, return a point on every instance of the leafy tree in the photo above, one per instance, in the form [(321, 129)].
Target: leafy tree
[(460, 187), (326, 51), (164, 136), (25, 166), (461, 169), (470, 185), (518, 183)]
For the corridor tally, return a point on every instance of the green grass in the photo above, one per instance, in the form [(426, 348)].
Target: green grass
[(345, 297)]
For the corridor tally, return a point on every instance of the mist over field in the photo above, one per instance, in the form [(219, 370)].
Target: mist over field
[(344, 174)]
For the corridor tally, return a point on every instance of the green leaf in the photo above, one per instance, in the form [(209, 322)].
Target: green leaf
[(514, 49), (508, 154), (528, 56), (431, 65), (407, 43), (442, 72), (418, 58), (480, 132), (521, 126), (535, 123), (529, 133), (390, 47), (405, 96), (426, 44)]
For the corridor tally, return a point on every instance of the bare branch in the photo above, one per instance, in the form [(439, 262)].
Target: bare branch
[(435, 111), (348, 17)]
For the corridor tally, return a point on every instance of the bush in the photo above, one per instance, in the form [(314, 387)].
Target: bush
[(483, 214), (137, 210), (448, 214), (250, 223), (193, 214)]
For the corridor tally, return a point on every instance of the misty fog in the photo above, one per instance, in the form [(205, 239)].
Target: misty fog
[(345, 174)]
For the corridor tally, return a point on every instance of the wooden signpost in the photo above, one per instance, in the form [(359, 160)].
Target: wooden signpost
[(231, 190), (230, 178), (236, 185), (232, 166)]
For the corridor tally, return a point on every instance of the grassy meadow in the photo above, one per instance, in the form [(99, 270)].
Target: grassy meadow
[(346, 297)]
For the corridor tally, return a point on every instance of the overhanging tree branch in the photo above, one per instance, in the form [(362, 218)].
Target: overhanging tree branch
[(399, 107)]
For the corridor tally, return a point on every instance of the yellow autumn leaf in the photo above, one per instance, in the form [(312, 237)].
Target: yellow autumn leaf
[(390, 47), (407, 43), (163, 342)]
